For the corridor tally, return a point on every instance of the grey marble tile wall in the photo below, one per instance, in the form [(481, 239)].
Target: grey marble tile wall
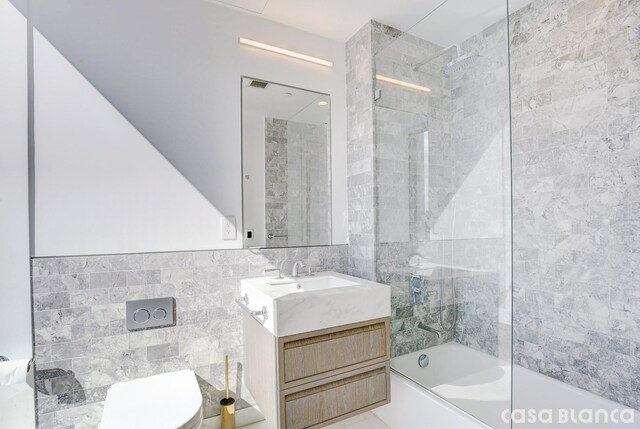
[(79, 322), (482, 304), (276, 182), (576, 164), (360, 154), (308, 184)]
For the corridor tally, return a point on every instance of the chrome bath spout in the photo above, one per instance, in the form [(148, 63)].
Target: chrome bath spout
[(425, 327)]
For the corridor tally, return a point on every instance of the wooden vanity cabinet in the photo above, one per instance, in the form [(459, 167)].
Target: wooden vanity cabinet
[(317, 378)]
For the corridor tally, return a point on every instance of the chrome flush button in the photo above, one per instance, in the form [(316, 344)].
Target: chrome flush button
[(159, 313), (150, 313), (141, 315)]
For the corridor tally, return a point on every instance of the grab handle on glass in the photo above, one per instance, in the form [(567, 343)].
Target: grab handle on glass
[(272, 236)]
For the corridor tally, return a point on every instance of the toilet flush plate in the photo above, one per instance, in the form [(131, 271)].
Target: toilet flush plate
[(150, 313)]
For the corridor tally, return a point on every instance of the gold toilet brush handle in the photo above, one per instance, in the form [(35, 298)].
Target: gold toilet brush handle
[(226, 375), (227, 405)]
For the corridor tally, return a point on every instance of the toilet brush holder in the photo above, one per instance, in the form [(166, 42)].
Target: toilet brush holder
[(228, 413), (227, 404)]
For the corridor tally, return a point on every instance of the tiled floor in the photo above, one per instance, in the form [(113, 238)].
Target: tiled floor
[(361, 421)]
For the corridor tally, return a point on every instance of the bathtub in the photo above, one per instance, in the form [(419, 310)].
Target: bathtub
[(480, 385)]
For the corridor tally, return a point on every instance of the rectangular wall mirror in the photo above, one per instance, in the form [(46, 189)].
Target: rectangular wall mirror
[(286, 165)]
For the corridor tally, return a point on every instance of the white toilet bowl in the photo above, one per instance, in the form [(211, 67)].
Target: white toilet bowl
[(166, 401)]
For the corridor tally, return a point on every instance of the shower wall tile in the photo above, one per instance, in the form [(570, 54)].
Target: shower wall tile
[(360, 154), (576, 127), (79, 322)]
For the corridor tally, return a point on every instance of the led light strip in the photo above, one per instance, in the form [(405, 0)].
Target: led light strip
[(402, 83), (286, 52)]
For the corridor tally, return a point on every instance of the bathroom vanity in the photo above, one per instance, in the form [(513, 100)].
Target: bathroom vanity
[(315, 351)]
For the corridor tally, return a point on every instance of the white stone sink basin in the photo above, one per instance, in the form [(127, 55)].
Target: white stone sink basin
[(324, 300)]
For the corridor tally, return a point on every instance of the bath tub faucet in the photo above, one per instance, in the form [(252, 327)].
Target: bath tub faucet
[(425, 327)]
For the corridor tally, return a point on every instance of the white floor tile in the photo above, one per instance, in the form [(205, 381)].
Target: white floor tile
[(361, 421)]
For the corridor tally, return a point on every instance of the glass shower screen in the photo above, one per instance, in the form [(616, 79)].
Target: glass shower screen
[(443, 189)]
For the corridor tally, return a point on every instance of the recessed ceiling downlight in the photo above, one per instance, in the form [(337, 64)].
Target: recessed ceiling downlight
[(322, 103)]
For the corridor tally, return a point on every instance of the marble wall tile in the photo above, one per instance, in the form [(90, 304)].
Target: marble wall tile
[(360, 153), (80, 327), (574, 82)]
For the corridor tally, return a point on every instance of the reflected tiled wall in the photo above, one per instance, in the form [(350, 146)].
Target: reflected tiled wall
[(79, 305), (309, 184), (276, 193), (576, 193), (297, 183)]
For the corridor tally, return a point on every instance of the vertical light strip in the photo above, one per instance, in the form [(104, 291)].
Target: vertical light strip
[(286, 52), (402, 83)]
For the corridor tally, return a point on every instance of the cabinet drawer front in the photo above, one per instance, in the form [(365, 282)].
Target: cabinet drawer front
[(326, 353), (338, 398)]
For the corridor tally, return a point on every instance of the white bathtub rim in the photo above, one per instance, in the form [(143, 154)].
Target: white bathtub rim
[(536, 397), (439, 401), (575, 392)]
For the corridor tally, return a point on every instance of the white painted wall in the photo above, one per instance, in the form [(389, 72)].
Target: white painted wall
[(175, 76), (101, 187), (15, 293)]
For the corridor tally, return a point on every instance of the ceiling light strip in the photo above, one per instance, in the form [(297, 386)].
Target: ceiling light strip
[(402, 83), (286, 52)]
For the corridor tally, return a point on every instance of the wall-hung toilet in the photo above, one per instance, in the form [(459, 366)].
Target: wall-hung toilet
[(166, 401)]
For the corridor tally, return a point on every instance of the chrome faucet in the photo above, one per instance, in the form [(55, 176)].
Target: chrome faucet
[(425, 327), (296, 269)]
